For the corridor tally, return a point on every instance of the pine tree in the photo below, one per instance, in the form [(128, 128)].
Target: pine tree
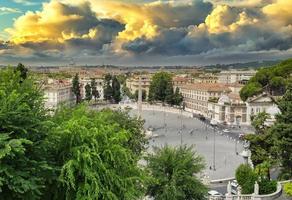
[(76, 88), (23, 71), (177, 97), (94, 90), (107, 88), (169, 96), (283, 131), (116, 90), (88, 93)]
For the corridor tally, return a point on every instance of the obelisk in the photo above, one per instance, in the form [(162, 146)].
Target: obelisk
[(140, 98)]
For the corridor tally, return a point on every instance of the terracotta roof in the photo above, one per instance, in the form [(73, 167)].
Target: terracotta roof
[(181, 79), (207, 87)]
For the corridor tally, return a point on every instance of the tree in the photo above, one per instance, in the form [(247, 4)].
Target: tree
[(116, 89), (76, 88), (282, 129), (144, 94), (107, 88), (169, 96), (88, 93), (94, 90), (160, 83), (23, 71), (173, 171), (258, 122), (250, 90), (272, 80), (23, 167), (92, 151), (177, 97), (246, 178)]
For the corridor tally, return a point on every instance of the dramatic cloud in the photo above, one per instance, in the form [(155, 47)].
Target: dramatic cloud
[(140, 31)]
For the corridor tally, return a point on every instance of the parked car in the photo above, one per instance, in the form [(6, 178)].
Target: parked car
[(214, 193), (226, 131)]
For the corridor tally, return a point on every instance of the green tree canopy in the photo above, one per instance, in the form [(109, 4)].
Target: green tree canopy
[(116, 90), (94, 156), (160, 86), (272, 80), (22, 128), (282, 129), (173, 171)]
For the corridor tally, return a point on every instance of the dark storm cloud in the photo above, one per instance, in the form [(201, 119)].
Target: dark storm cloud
[(167, 15)]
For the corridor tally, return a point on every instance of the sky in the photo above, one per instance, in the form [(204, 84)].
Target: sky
[(144, 32)]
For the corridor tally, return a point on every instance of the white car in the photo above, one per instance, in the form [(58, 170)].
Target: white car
[(214, 193), (226, 131)]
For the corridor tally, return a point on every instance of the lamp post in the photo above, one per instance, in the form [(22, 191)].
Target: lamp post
[(214, 123)]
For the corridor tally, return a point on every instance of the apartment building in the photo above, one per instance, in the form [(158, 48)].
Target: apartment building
[(235, 76), (133, 83), (229, 110), (207, 78), (58, 92), (179, 81), (197, 95)]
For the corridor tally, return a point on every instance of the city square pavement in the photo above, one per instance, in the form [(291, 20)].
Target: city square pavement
[(197, 133)]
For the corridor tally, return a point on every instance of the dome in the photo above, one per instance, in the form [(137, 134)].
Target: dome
[(224, 99)]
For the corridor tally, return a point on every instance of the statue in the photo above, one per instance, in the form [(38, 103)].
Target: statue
[(256, 188), (229, 188)]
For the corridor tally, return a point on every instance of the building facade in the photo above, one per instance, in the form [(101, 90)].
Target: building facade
[(235, 76), (197, 95), (58, 92), (133, 83)]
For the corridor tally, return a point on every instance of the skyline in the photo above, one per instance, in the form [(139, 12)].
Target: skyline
[(144, 33)]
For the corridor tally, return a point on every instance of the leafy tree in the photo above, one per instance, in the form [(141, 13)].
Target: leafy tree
[(116, 90), (94, 90), (258, 122), (169, 96), (159, 84), (246, 178), (107, 88), (173, 171), (88, 93), (177, 98), (22, 128), (282, 129), (94, 157), (76, 88), (144, 94), (23, 71)]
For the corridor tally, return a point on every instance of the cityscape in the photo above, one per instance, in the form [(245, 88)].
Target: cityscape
[(145, 100)]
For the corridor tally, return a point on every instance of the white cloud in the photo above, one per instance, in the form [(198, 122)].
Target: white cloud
[(25, 2), (6, 10)]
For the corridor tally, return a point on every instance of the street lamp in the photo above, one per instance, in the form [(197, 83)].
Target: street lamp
[(214, 123)]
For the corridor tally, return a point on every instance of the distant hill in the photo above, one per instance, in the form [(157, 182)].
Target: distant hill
[(249, 65)]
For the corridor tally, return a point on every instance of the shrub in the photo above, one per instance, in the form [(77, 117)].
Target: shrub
[(288, 189), (267, 186), (246, 178)]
